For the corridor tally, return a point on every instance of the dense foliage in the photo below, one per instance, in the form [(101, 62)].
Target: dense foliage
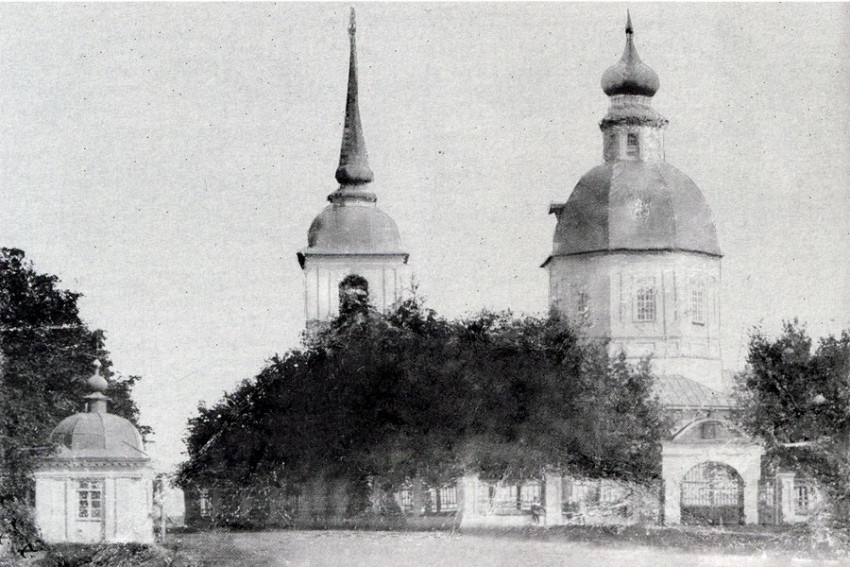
[(796, 398), (414, 395), (46, 352)]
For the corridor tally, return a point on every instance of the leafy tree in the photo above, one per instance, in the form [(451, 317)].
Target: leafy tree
[(413, 395), (45, 350), (796, 397)]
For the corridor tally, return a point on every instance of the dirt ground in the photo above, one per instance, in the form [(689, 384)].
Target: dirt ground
[(291, 548)]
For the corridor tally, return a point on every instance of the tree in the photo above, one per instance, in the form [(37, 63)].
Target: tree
[(797, 399), (45, 351), (412, 395)]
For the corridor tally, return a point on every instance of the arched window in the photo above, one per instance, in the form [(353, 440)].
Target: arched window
[(645, 303), (353, 294), (583, 305), (632, 147)]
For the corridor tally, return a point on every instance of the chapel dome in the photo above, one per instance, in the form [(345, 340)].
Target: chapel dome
[(353, 229), (635, 205), (97, 436)]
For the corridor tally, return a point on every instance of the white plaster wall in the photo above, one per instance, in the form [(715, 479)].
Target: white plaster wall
[(50, 508), (127, 505), (610, 280), (388, 276), (679, 458), (650, 143)]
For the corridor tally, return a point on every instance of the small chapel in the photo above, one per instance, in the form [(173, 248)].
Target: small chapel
[(96, 486)]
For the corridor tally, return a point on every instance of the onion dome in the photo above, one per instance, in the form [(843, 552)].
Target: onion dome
[(97, 435), (630, 75), (635, 205), (352, 223)]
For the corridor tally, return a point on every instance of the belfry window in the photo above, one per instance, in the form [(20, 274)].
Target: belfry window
[(645, 304), (632, 147)]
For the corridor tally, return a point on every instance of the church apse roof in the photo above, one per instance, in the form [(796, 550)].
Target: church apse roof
[(679, 392)]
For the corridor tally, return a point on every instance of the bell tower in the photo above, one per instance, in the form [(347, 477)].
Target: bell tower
[(352, 239)]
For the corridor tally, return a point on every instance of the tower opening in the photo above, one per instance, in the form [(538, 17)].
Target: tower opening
[(353, 294)]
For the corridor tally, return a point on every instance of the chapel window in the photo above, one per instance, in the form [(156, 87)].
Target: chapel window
[(632, 147), (90, 497), (645, 304), (804, 497)]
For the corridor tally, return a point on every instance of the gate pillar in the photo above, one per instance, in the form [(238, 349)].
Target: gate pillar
[(553, 497)]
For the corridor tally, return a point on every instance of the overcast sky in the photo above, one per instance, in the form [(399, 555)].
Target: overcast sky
[(166, 160)]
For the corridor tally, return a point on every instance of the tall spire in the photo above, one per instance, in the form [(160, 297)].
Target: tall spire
[(353, 160)]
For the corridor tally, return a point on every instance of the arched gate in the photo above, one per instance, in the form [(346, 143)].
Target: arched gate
[(712, 494)]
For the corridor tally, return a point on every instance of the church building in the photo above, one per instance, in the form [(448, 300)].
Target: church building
[(635, 260)]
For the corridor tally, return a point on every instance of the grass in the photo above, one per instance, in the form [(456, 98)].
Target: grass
[(585, 545), (589, 546)]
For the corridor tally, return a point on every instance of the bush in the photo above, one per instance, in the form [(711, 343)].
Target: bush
[(106, 555)]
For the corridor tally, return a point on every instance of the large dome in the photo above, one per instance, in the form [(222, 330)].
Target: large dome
[(635, 205), (353, 229), (97, 436)]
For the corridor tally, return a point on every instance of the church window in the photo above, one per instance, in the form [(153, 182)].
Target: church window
[(90, 497), (698, 310), (632, 147), (583, 305), (708, 430), (645, 304)]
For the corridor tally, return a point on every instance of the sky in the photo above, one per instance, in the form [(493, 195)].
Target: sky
[(166, 160)]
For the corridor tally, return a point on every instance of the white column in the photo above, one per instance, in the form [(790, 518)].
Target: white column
[(468, 485), (553, 497), (785, 485), (672, 502)]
